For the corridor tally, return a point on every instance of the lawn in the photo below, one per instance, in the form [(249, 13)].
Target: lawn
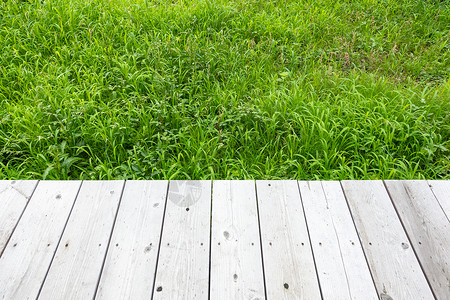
[(224, 89)]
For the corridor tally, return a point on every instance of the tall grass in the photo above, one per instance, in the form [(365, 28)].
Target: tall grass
[(224, 89)]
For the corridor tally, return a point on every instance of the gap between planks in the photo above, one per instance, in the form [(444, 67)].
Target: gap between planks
[(260, 221)]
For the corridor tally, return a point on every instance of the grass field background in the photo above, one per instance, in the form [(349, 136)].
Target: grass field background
[(224, 89)]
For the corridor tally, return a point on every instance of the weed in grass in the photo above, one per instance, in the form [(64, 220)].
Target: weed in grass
[(224, 89)]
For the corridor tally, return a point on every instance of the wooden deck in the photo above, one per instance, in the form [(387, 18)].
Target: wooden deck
[(225, 240)]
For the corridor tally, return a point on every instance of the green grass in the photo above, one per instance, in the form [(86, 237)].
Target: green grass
[(224, 89)]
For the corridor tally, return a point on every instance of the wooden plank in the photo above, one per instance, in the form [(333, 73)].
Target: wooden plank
[(288, 259), (29, 252), (441, 189), (341, 266), (14, 196), (182, 271), (236, 261), (75, 270), (131, 261), (428, 230), (395, 269)]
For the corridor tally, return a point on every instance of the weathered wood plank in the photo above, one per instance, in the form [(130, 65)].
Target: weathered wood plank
[(428, 230), (236, 261), (14, 196), (441, 189), (341, 266), (288, 260), (29, 252), (182, 271), (75, 270), (395, 269), (131, 260)]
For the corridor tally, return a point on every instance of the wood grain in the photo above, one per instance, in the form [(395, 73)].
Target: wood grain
[(182, 271), (75, 270), (341, 266), (288, 260), (441, 189), (395, 269), (14, 196), (131, 261), (143, 246), (428, 230), (236, 262), (30, 250)]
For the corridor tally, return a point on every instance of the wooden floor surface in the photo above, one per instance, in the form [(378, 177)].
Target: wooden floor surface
[(386, 240)]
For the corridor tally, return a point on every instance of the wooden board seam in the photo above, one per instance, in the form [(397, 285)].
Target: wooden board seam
[(439, 202), (210, 239), (359, 238), (309, 238), (160, 239), (409, 239), (59, 241), (18, 220), (260, 240), (339, 244), (109, 239)]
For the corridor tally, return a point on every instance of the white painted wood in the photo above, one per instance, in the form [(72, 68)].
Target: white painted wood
[(236, 261), (396, 271), (131, 260), (182, 271), (29, 252), (75, 270), (14, 196), (341, 266), (428, 230), (441, 189), (288, 259)]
